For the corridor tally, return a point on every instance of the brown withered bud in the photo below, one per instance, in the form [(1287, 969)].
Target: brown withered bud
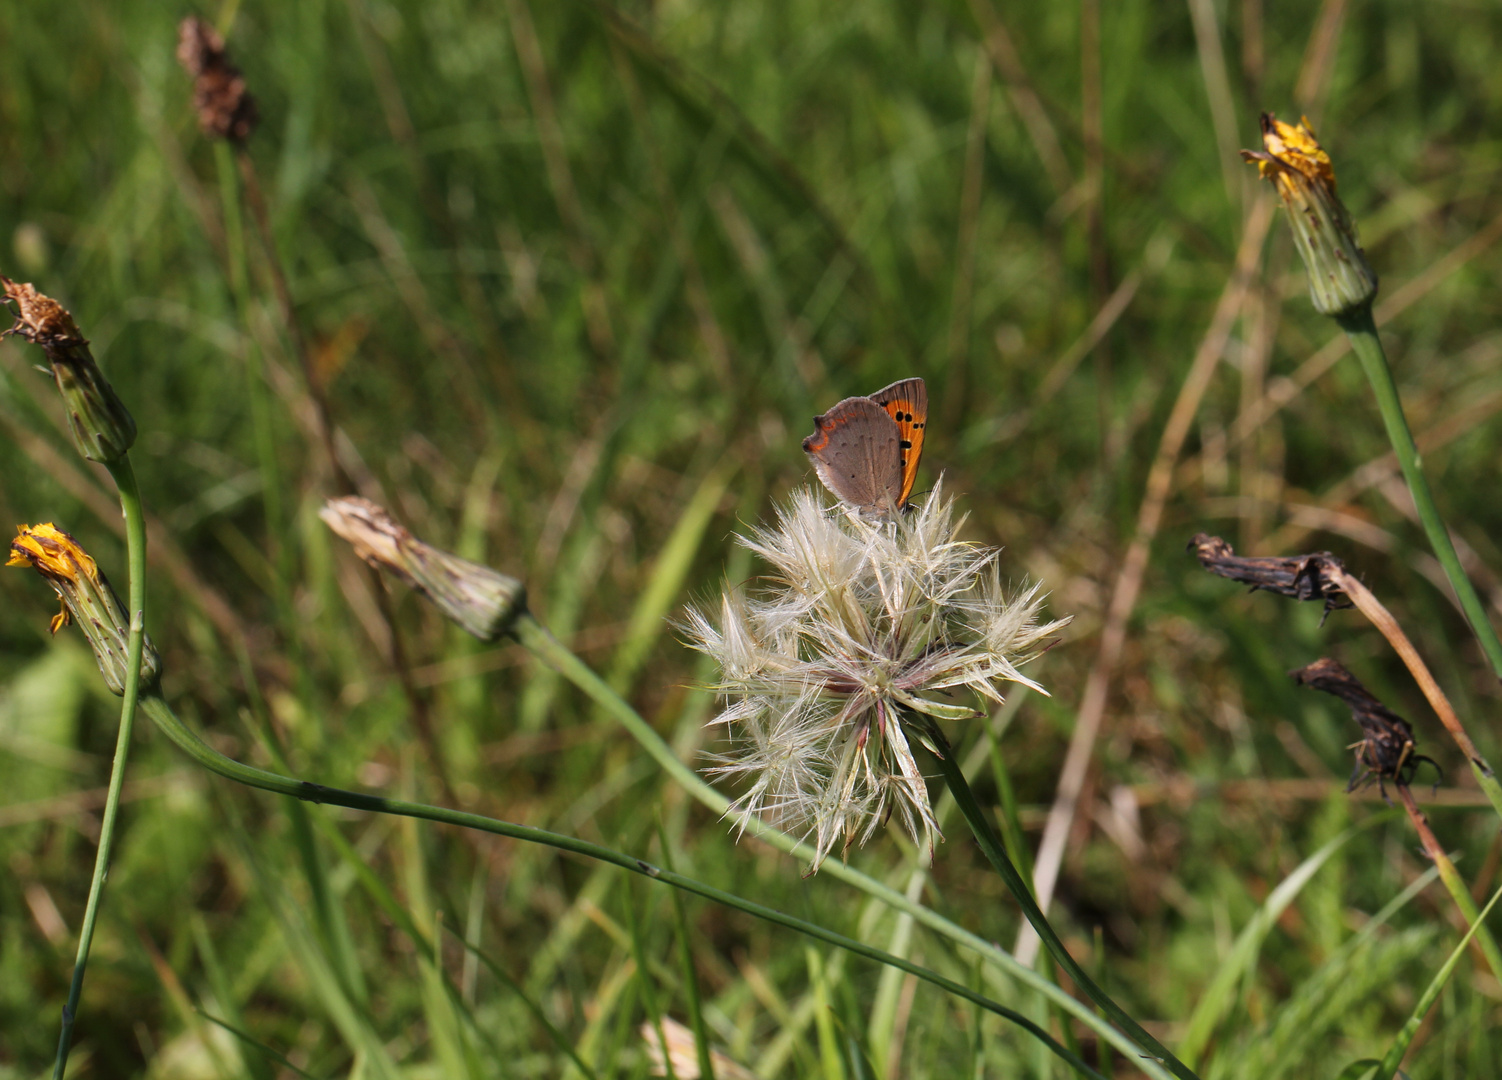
[(102, 427), (225, 108), (483, 601), (1385, 751), (1301, 577)]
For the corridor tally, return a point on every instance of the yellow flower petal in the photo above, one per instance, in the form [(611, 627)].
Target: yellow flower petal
[(87, 600), (1296, 148), (52, 552)]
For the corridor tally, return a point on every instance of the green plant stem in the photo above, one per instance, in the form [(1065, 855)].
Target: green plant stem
[(1362, 330), (538, 640), (166, 720), (135, 540), (258, 397), (690, 975), (964, 798)]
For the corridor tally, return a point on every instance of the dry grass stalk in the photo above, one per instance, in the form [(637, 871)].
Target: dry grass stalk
[(1128, 584), (1382, 619), (1323, 576)]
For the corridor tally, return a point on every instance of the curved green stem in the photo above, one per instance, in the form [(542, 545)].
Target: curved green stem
[(538, 640), (1362, 331), (166, 720), (135, 540), (954, 776)]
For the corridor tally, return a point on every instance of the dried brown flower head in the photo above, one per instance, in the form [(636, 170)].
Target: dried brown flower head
[(225, 108), (103, 429), (1301, 577), (1385, 751), (40, 319)]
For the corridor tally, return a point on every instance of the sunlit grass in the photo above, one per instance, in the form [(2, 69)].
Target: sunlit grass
[(572, 284)]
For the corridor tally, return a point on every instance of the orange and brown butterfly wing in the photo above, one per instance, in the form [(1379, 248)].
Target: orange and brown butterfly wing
[(856, 451), (906, 402)]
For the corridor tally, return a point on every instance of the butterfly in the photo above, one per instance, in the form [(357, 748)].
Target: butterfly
[(866, 449)]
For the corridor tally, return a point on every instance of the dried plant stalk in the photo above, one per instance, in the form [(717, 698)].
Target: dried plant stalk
[(1323, 576)]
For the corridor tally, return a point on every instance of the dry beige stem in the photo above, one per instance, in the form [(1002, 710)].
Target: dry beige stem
[(1128, 584), (1382, 619)]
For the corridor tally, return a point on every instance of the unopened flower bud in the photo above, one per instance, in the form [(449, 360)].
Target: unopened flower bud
[(103, 429), (225, 108), (1340, 279), (87, 600), (483, 601)]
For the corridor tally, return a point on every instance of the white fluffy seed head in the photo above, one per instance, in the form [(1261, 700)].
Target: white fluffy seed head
[(862, 634)]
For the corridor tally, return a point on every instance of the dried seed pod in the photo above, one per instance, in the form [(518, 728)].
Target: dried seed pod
[(483, 601), (1301, 577), (225, 107)]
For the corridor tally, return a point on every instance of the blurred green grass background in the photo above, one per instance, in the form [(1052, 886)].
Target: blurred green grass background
[(573, 278)]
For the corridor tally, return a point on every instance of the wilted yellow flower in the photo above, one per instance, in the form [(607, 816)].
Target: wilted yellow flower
[(483, 601), (103, 429), (1292, 147), (1340, 278), (87, 599), (55, 555)]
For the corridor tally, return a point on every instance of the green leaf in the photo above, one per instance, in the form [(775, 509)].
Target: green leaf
[(1400, 1044), (1216, 999)]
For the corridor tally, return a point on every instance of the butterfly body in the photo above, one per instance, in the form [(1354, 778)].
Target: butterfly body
[(866, 449)]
